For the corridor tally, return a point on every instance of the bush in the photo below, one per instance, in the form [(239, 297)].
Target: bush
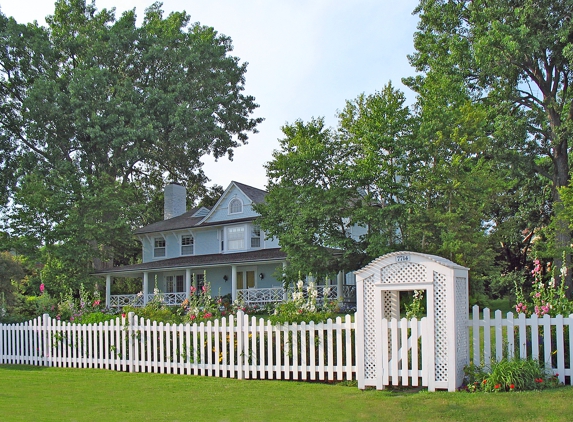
[(509, 375)]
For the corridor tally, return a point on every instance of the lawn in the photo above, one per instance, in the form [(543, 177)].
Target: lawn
[(55, 394)]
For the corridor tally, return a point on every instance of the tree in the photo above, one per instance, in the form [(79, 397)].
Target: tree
[(97, 113), (10, 271), (325, 182), (308, 206), (514, 59)]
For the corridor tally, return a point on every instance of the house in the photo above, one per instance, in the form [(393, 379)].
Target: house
[(222, 246)]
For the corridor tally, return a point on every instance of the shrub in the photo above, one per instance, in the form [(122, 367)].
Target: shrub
[(509, 375)]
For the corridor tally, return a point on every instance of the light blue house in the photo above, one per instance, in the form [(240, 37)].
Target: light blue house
[(222, 245)]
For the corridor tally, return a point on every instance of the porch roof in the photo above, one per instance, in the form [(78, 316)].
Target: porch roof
[(260, 256)]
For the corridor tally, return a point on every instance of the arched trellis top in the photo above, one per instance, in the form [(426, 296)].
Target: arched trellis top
[(424, 262)]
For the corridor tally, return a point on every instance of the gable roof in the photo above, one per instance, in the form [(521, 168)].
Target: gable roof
[(255, 195)]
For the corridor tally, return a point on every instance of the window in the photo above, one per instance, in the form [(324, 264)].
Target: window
[(159, 247), (235, 206), (180, 283), (169, 286), (187, 244), (236, 238), (255, 237), (174, 284), (222, 234)]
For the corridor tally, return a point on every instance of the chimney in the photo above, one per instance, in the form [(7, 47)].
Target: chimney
[(175, 200)]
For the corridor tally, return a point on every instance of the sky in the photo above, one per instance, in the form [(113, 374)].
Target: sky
[(306, 58)]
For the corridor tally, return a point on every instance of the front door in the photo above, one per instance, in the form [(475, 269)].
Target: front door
[(245, 280)]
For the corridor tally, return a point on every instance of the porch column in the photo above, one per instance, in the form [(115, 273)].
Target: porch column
[(188, 282), (339, 284), (233, 282), (107, 290), (285, 295), (145, 286)]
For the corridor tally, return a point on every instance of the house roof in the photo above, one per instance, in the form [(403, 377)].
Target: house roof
[(190, 219), (254, 194), (183, 221), (263, 255)]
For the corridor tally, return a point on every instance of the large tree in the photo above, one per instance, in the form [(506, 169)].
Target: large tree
[(325, 183), (97, 112), (513, 58)]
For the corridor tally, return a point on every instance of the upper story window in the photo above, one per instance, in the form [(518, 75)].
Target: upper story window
[(236, 238), (235, 206), (187, 244), (255, 237), (159, 247)]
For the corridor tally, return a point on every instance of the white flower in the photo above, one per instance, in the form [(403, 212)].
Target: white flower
[(552, 282), (299, 284), (563, 272)]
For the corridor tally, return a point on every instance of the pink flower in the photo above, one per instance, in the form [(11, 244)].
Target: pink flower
[(538, 294), (123, 315), (193, 289), (208, 315), (192, 317), (96, 303), (204, 288), (42, 287)]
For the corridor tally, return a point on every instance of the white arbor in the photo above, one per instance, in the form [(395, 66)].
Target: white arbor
[(387, 349)]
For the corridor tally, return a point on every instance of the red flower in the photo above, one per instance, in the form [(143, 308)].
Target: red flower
[(484, 381), (497, 386), (511, 386)]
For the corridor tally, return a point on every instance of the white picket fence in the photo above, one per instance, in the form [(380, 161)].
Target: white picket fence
[(246, 347), (547, 339), (234, 347)]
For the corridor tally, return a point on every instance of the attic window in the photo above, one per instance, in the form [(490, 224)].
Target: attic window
[(235, 206)]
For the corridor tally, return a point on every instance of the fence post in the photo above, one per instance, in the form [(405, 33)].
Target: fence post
[(131, 341), (46, 346), (240, 352)]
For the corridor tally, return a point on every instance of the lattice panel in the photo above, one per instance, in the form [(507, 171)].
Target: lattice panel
[(403, 272), (462, 341), (440, 327), (369, 329), (387, 311)]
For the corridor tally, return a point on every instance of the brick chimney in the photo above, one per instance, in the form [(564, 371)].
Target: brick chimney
[(175, 200)]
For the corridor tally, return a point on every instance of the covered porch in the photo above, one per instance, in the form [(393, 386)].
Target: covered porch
[(249, 277)]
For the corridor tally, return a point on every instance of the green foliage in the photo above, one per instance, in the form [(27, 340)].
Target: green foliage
[(509, 375), (95, 317), (511, 62), (95, 113), (325, 183), (10, 272), (29, 307)]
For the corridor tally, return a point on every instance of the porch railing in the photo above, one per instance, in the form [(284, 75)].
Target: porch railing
[(261, 296), (248, 296)]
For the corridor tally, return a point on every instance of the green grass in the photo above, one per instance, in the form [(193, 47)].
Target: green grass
[(54, 394)]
